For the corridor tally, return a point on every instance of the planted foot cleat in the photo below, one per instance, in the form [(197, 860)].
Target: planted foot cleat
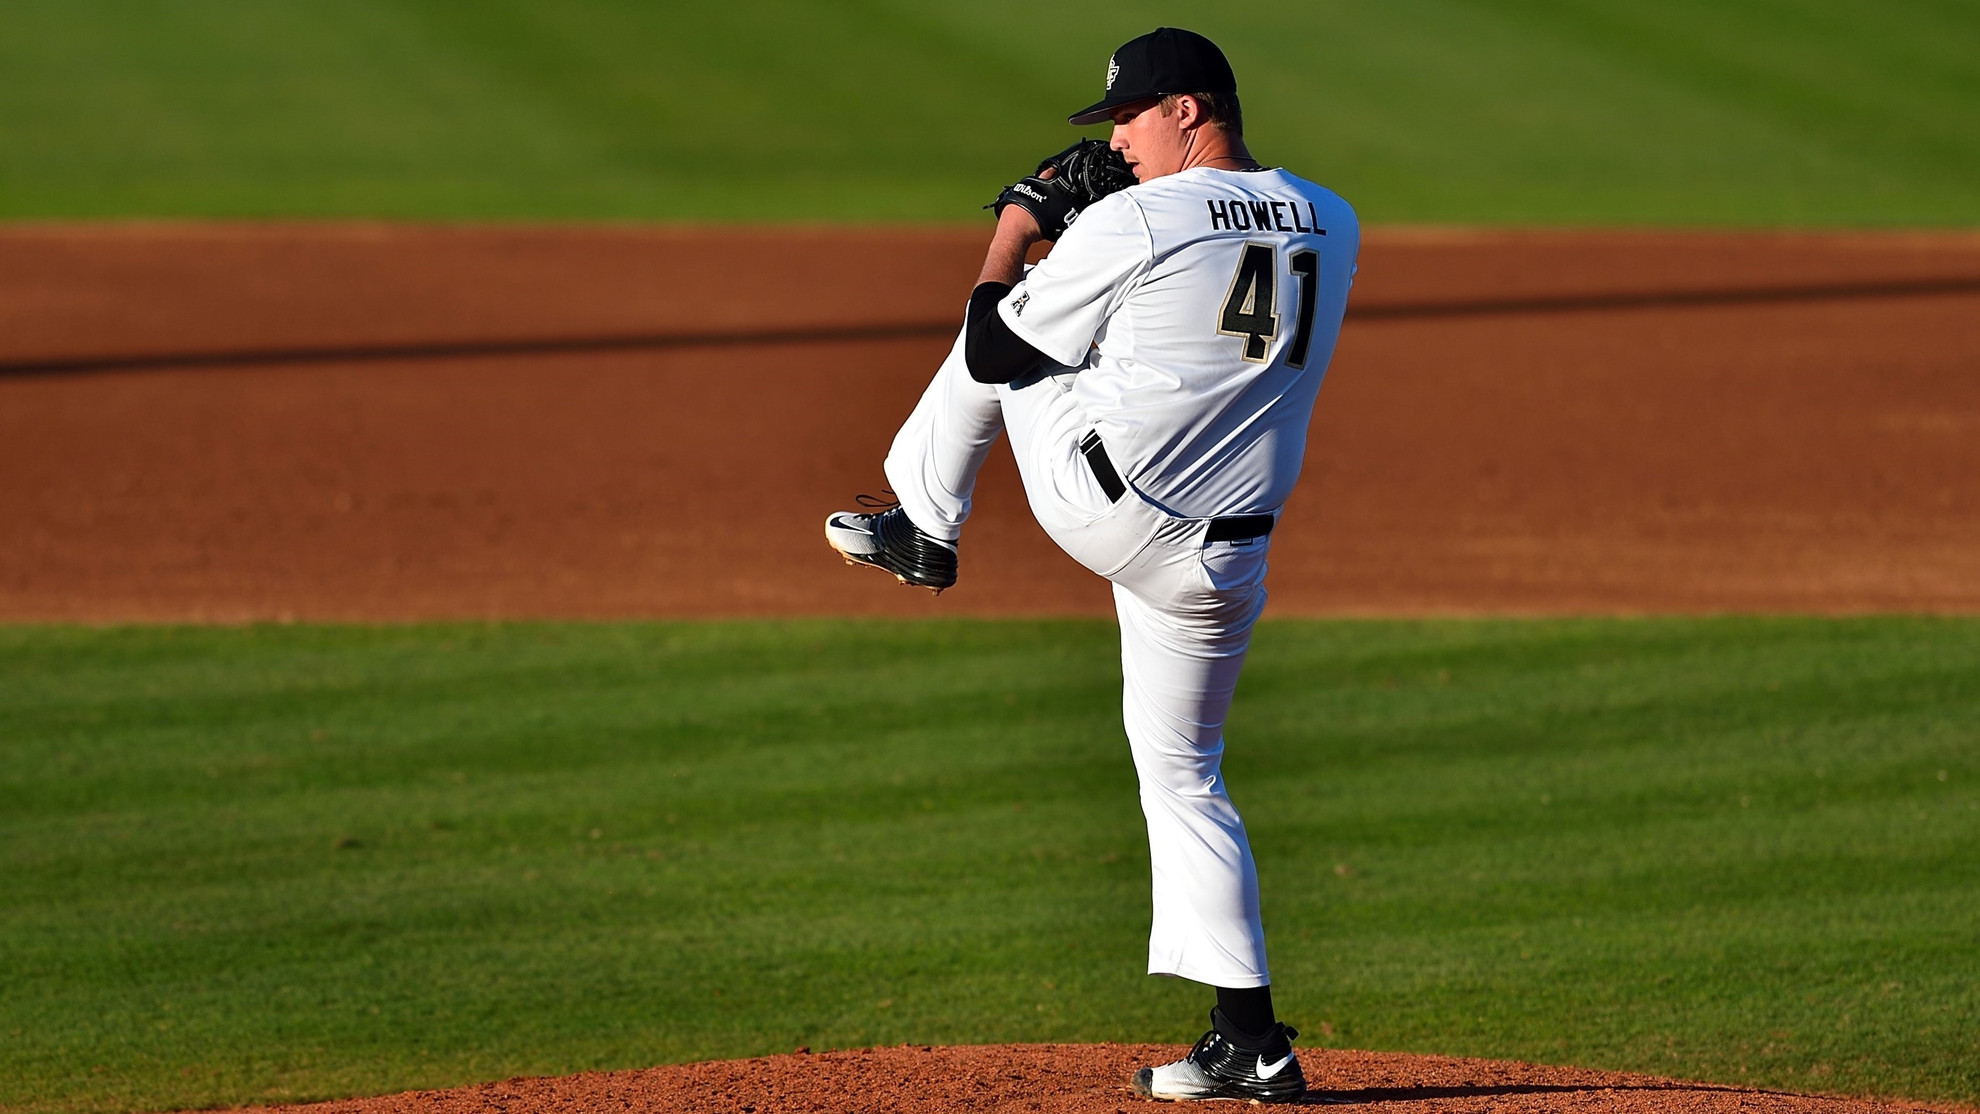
[(1217, 1068), (886, 539)]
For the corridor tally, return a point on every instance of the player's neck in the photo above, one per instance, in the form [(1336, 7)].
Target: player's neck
[(1213, 149)]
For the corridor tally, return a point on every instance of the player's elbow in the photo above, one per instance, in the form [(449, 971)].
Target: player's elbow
[(984, 366), (993, 353)]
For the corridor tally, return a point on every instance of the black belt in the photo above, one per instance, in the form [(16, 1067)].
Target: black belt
[(1103, 466), (1239, 528), (1236, 528)]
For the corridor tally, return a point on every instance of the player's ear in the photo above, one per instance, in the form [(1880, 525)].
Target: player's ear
[(1189, 112)]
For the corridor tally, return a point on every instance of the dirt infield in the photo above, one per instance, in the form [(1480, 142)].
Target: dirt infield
[(356, 422), (1078, 1079)]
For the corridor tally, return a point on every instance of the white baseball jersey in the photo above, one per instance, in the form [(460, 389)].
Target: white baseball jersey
[(1200, 310), (1197, 313)]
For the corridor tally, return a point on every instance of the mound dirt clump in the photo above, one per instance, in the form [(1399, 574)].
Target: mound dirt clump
[(1075, 1079)]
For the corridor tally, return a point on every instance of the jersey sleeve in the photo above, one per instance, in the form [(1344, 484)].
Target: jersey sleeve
[(1060, 306)]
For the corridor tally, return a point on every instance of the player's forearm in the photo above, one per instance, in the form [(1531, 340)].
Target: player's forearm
[(1017, 230)]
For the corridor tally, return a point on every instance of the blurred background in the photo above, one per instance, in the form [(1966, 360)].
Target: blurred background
[(1764, 112)]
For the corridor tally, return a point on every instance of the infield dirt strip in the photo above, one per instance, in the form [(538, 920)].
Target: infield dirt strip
[(379, 422)]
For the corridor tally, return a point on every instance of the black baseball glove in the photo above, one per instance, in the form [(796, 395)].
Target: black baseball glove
[(1081, 174)]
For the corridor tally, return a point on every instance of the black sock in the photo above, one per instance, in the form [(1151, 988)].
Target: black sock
[(1250, 1009)]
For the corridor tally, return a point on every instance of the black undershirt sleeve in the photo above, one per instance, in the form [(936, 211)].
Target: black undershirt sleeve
[(994, 353)]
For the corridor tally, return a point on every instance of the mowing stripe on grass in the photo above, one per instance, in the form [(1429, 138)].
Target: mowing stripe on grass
[(301, 862), (1771, 112)]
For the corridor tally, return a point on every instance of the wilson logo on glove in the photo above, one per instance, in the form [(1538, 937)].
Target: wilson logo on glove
[(1081, 175)]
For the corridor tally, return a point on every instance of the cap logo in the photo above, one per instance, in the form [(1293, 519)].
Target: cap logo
[(1113, 71)]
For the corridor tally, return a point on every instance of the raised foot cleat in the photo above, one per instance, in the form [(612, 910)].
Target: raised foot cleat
[(1219, 1069), (888, 540)]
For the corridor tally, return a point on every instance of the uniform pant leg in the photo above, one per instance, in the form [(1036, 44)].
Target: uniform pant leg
[(1181, 652), (933, 463), (1186, 614), (1179, 668)]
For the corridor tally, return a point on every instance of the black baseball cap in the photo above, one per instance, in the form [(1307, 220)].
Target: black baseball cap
[(1164, 61)]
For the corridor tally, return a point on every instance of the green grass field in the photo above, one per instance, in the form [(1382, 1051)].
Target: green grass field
[(291, 862), (1770, 112)]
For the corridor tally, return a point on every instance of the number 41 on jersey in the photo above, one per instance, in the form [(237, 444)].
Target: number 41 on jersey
[(1251, 308)]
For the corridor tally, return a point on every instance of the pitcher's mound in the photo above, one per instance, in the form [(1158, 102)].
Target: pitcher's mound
[(1076, 1079)]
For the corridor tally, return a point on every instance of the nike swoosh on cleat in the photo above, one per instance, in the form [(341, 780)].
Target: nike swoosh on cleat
[(1267, 1071)]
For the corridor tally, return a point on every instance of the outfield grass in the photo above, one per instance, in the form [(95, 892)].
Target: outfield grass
[(1810, 112), (296, 862)]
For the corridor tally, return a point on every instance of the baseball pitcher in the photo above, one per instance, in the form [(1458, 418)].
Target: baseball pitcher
[(1155, 374)]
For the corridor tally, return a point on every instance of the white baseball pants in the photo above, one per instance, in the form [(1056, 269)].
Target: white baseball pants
[(1186, 609)]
